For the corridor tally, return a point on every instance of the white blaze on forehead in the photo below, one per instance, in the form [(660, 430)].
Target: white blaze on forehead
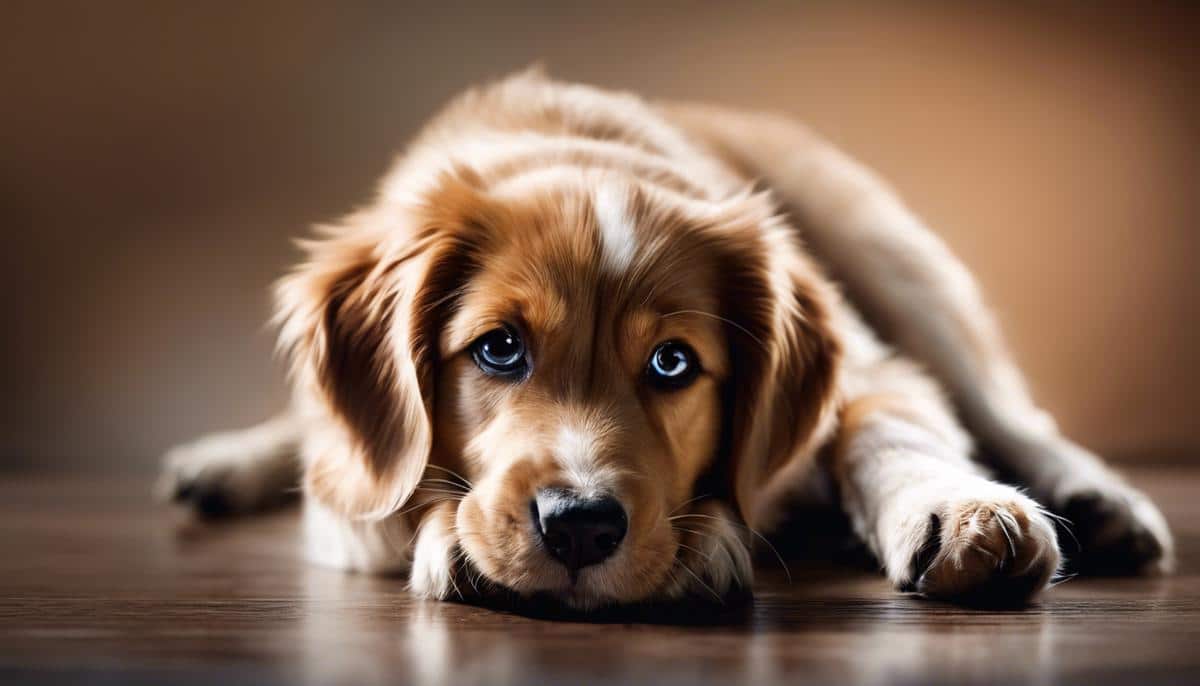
[(617, 238), (577, 451)]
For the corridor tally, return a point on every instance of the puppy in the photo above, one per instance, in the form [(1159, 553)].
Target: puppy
[(588, 347)]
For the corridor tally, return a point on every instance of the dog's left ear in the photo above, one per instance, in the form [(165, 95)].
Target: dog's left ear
[(784, 354), (361, 319)]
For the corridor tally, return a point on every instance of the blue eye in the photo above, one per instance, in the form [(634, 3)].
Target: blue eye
[(500, 352), (672, 365)]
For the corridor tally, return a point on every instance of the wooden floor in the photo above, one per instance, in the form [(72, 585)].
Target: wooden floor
[(97, 584)]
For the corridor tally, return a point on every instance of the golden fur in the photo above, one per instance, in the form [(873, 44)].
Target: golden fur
[(599, 226)]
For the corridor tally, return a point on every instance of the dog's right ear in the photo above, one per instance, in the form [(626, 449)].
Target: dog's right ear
[(361, 320), (784, 351)]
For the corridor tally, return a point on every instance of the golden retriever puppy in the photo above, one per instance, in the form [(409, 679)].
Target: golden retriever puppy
[(586, 347)]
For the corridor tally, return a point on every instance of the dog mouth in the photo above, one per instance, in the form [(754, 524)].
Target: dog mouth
[(573, 590), (583, 596), (582, 553), (550, 586), (540, 577)]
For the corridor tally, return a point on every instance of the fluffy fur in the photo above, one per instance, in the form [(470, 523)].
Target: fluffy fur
[(598, 226)]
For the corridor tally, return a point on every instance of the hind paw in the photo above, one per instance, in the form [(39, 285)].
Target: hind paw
[(1116, 529)]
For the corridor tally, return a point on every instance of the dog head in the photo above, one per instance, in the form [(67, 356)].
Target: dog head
[(597, 376)]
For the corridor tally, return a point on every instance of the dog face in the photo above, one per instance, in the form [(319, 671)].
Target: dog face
[(596, 376)]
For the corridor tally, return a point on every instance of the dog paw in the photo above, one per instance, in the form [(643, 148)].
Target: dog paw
[(201, 477), (1001, 551), (225, 474), (435, 556), (1117, 530), (713, 561)]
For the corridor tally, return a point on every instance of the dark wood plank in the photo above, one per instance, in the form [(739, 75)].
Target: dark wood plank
[(97, 582)]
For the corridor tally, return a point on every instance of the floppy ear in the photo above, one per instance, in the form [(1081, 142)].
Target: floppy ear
[(361, 320), (783, 352)]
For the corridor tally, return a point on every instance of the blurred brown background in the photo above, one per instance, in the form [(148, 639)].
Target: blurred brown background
[(155, 158)]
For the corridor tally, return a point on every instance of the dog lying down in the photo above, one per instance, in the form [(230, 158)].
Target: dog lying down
[(588, 347)]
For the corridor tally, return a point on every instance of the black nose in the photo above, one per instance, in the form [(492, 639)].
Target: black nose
[(578, 531)]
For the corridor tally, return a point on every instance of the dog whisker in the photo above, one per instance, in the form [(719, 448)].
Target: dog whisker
[(441, 491), (730, 322), (701, 534), (456, 484), (446, 482), (686, 503), (707, 556), (426, 504), (453, 473), (760, 537), (453, 294), (700, 581)]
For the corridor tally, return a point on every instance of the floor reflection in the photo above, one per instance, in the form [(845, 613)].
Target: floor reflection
[(351, 636), (832, 624)]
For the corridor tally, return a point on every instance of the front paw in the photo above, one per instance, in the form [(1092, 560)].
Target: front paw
[(1117, 529), (997, 549), (233, 472), (713, 559), (211, 476), (435, 557)]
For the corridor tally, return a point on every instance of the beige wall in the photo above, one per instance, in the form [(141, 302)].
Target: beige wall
[(155, 157)]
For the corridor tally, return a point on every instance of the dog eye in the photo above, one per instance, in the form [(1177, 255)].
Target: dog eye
[(672, 365), (500, 352)]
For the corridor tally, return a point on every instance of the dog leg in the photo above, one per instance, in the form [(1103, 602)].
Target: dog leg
[(436, 555), (926, 303), (935, 522), (380, 547), (234, 472)]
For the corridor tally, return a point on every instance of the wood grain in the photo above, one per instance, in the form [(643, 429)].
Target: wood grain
[(97, 583)]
